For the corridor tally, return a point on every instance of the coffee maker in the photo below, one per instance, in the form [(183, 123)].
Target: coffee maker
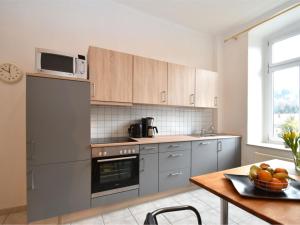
[(148, 130)]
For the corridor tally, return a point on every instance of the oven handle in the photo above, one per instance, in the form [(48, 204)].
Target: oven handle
[(116, 159)]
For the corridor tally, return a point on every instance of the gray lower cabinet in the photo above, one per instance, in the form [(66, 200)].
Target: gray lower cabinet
[(113, 198), (57, 189), (148, 169), (204, 157), (229, 153), (174, 165)]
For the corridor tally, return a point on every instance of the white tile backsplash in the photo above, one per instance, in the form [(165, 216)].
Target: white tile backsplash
[(113, 121)]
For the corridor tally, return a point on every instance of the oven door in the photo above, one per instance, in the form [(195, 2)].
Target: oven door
[(114, 174)]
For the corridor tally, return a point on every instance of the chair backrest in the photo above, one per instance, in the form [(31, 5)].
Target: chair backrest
[(151, 217)]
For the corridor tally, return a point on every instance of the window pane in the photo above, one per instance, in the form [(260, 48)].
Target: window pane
[(285, 100), (286, 49)]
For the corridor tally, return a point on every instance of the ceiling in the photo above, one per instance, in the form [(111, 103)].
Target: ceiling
[(211, 16)]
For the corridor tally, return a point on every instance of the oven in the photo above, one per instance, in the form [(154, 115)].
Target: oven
[(114, 170)]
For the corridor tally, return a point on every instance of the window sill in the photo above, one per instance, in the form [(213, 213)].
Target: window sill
[(269, 145)]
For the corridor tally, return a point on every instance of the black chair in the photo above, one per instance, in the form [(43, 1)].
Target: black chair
[(151, 217)]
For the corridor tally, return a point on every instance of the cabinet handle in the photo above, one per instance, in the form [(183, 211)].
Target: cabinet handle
[(175, 174), (94, 89), (174, 146), (149, 148), (216, 101), (163, 96), (204, 143), (192, 99), (219, 146), (175, 155), (143, 167), (32, 186)]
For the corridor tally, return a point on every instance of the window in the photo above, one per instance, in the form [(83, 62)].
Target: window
[(284, 76)]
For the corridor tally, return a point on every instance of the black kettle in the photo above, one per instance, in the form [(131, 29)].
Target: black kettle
[(135, 130)]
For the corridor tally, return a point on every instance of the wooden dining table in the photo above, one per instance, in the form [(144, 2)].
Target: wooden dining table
[(271, 210)]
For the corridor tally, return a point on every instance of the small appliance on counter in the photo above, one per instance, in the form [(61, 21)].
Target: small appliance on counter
[(135, 130), (148, 130)]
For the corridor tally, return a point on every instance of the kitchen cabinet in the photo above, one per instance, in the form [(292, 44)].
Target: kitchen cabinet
[(206, 91), (181, 85), (150, 80), (110, 73), (174, 165), (229, 153), (204, 157), (58, 120), (148, 169), (58, 189)]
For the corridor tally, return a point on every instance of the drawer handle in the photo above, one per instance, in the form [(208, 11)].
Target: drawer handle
[(149, 148), (174, 146), (204, 143), (175, 174), (175, 155)]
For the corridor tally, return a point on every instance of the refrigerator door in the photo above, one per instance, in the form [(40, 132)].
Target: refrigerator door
[(58, 120)]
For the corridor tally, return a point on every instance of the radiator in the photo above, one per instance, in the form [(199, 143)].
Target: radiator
[(260, 157)]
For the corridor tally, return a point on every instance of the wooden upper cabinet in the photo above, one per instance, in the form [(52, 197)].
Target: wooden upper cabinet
[(181, 85), (206, 89), (110, 73), (150, 81)]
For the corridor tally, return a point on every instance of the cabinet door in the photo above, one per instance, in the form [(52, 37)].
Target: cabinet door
[(206, 89), (150, 80), (227, 154), (204, 157), (181, 85), (58, 120), (148, 174), (110, 74), (58, 189)]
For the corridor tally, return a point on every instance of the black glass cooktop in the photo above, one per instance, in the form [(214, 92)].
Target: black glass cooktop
[(111, 140)]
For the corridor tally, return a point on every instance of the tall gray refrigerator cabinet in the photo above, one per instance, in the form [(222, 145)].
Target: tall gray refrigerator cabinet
[(58, 146)]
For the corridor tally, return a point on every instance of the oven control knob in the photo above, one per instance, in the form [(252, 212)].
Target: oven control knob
[(133, 150), (125, 151), (121, 152), (129, 151), (104, 153), (100, 154)]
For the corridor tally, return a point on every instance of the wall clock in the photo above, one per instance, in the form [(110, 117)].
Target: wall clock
[(10, 73)]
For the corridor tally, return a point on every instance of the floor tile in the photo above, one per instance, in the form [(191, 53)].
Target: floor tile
[(206, 197), (212, 217), (140, 218), (253, 220), (145, 207), (237, 214), (2, 218), (120, 217), (98, 220), (16, 218), (165, 202), (192, 220)]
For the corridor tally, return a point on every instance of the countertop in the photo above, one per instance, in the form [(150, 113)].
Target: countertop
[(164, 139)]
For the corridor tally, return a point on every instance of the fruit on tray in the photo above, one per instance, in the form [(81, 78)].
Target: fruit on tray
[(269, 179)]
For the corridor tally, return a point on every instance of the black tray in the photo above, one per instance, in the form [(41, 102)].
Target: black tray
[(246, 188)]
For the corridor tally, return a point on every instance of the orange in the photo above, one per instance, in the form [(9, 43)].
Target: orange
[(264, 175), (280, 170), (284, 182), (275, 184)]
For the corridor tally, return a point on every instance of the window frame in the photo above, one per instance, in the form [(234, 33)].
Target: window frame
[(271, 68)]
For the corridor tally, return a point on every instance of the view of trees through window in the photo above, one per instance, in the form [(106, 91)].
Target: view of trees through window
[(286, 88)]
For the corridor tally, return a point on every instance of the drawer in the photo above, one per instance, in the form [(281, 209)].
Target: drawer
[(113, 198), (174, 179), (148, 149), (174, 160), (175, 146)]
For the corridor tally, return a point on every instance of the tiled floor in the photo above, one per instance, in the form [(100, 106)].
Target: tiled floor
[(206, 203)]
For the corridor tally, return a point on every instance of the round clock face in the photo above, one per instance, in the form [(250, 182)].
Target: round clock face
[(10, 73)]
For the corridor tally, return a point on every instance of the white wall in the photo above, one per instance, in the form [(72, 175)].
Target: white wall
[(71, 26)]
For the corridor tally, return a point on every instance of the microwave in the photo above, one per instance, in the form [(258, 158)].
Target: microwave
[(61, 64)]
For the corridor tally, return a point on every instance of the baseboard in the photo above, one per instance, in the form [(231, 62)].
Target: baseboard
[(13, 210)]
